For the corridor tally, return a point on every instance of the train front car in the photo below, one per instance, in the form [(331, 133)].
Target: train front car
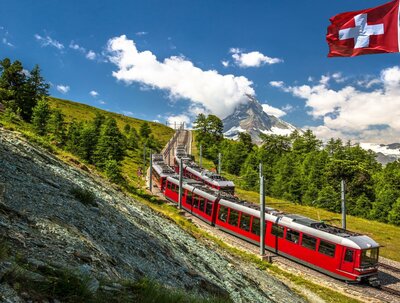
[(340, 253), (362, 259)]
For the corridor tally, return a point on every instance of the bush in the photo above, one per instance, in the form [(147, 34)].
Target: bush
[(113, 171), (84, 196)]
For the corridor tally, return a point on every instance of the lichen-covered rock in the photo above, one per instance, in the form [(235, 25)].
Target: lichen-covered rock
[(120, 238)]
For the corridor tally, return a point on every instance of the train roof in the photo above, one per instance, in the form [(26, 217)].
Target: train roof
[(300, 223), (207, 175)]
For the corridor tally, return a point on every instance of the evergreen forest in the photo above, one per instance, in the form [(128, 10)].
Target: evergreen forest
[(301, 169)]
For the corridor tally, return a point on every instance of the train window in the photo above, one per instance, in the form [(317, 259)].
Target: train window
[(189, 197), (349, 255), (292, 235), (255, 228), (195, 201), (202, 203), (369, 257), (233, 217), (223, 213), (209, 208), (327, 248), (309, 242), (169, 184), (277, 230), (245, 222)]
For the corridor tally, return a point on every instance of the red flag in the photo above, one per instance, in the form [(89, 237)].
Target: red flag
[(369, 31)]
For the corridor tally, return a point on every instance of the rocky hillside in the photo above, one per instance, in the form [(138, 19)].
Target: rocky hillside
[(251, 118), (49, 226)]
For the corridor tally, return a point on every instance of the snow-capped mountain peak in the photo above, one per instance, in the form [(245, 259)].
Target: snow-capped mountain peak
[(251, 118)]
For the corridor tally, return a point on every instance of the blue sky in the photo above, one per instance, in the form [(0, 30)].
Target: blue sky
[(168, 60)]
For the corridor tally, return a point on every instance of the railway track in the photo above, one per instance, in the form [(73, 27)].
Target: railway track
[(389, 267), (391, 291)]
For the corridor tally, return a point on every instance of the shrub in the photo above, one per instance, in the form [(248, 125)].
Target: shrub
[(84, 196)]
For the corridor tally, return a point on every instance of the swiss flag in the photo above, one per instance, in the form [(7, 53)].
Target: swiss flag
[(369, 31)]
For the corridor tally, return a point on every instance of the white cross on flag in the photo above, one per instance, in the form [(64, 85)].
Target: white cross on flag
[(369, 31)]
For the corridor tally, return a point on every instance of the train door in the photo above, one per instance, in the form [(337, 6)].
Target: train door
[(348, 258)]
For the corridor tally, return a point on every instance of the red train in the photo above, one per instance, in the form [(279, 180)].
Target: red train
[(342, 254), (193, 171)]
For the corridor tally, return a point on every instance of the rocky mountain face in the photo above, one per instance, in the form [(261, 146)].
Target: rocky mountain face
[(251, 118), (115, 237)]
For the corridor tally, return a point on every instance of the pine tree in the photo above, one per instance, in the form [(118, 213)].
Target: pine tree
[(127, 129), (40, 116), (113, 171), (394, 214), (87, 142), (110, 145), (145, 130), (132, 140), (73, 137), (56, 126), (21, 91)]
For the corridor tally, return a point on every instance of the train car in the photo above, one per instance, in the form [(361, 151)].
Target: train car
[(197, 199), (160, 171), (342, 254), (193, 171)]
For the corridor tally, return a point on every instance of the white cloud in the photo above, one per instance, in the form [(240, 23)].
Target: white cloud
[(276, 83), (26, 72), (63, 88), (6, 42), (141, 33), (252, 59), (217, 93), (287, 108), (225, 63), (127, 113), (178, 120), (338, 77), (368, 82), (353, 113), (48, 41), (77, 47), (93, 93), (5, 37), (91, 55), (270, 110), (102, 102)]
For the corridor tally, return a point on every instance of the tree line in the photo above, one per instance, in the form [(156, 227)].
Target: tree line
[(24, 95), (301, 169)]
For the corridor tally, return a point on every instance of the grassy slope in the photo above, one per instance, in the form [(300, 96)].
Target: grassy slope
[(385, 234), (133, 159)]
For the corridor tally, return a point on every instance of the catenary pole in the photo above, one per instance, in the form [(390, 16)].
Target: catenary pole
[(151, 171), (180, 183), (343, 192), (144, 158), (262, 213), (219, 163), (201, 156)]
